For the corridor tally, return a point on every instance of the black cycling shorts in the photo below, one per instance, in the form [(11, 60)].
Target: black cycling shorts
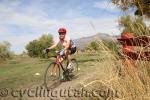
[(73, 50)]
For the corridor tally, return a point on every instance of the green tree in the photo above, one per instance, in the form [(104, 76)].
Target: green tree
[(35, 48), (142, 6), (5, 52)]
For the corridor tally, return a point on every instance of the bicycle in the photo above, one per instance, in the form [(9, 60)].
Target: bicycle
[(67, 74)]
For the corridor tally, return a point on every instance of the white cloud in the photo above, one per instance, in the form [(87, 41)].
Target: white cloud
[(91, 25), (4, 31), (39, 23), (106, 5), (9, 15)]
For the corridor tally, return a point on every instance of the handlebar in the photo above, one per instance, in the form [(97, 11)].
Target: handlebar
[(46, 51)]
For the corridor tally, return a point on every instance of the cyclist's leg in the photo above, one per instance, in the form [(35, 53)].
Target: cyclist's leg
[(54, 69), (68, 55)]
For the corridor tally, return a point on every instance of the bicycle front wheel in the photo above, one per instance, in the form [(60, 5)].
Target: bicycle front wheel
[(52, 75), (74, 66)]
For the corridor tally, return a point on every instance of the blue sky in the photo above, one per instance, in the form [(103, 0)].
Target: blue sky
[(24, 20)]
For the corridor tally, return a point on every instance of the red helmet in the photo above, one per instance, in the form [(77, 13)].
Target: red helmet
[(62, 30)]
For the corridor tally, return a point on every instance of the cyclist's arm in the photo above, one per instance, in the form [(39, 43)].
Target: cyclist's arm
[(53, 46)]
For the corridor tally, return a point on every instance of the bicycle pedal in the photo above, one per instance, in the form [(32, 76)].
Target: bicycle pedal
[(63, 80)]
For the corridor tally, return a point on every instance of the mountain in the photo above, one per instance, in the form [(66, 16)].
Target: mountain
[(82, 42)]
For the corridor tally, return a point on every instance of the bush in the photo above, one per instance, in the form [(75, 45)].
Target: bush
[(35, 48), (5, 52)]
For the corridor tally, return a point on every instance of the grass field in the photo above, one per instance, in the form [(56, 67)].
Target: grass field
[(20, 71)]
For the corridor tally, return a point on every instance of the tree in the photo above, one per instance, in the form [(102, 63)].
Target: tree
[(142, 6), (35, 48), (5, 52)]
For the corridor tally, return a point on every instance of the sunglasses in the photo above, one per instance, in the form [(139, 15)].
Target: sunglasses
[(61, 33)]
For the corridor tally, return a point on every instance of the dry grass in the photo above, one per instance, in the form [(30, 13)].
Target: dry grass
[(128, 80)]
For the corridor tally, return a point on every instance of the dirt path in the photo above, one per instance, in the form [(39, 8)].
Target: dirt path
[(64, 89)]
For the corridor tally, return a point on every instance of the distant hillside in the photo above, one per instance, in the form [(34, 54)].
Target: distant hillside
[(82, 42)]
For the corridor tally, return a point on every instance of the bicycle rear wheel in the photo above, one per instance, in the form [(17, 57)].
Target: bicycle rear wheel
[(74, 66), (50, 80)]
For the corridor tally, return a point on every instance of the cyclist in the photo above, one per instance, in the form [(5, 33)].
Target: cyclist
[(68, 45)]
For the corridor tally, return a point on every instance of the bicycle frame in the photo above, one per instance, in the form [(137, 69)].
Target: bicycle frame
[(56, 60), (59, 63)]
